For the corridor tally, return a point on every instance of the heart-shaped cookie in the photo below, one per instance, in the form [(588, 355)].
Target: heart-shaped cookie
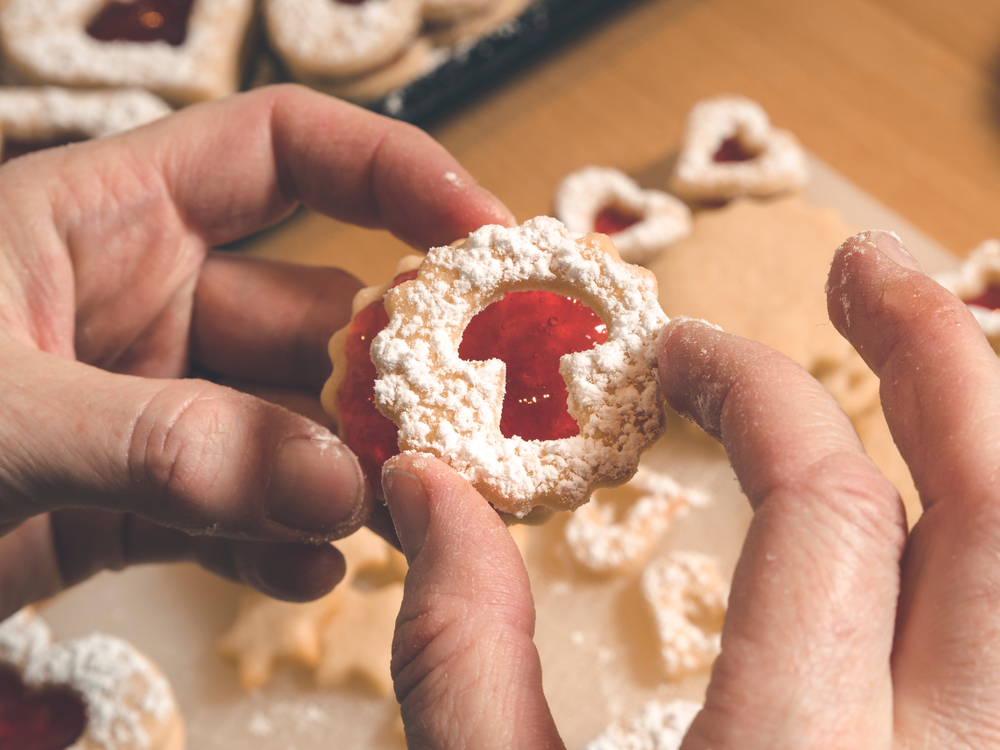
[(977, 283), (126, 701), (32, 118), (49, 43), (730, 149), (640, 222)]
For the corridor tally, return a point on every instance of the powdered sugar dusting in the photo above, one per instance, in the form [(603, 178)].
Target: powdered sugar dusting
[(121, 689), (451, 408), (664, 219), (779, 164), (659, 726)]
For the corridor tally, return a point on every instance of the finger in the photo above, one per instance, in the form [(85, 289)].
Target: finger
[(939, 387), (465, 670), (256, 157), (940, 380), (187, 454), (52, 552), (807, 638), (268, 321)]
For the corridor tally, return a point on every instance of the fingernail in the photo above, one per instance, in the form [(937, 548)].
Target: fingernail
[(316, 485), (890, 246), (408, 503)]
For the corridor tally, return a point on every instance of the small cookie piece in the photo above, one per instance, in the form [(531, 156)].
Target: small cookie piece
[(357, 642), (32, 118), (729, 149), (328, 39), (603, 546), (103, 693), (183, 52), (266, 630), (642, 223), (977, 283), (451, 407), (688, 598), (659, 726)]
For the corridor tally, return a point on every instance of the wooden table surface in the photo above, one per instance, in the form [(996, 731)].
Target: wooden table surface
[(900, 96)]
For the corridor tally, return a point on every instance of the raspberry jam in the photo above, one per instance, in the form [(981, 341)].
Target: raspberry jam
[(529, 331), (613, 219), (142, 21), (989, 298), (14, 147), (51, 718), (731, 150)]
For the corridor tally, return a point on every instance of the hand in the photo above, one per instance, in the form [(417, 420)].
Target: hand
[(109, 295), (842, 632)]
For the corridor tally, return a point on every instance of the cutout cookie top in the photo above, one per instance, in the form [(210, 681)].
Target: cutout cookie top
[(641, 222), (127, 702), (977, 283), (451, 407), (730, 149), (48, 42)]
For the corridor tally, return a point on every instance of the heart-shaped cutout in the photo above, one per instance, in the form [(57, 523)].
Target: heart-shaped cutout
[(641, 223), (125, 700), (729, 149), (49, 43), (35, 118)]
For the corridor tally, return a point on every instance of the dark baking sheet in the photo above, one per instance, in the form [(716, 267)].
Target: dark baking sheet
[(472, 70)]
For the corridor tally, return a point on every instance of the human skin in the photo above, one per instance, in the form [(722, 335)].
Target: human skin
[(110, 299), (843, 631)]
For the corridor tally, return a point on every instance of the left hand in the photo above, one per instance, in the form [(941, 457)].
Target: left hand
[(109, 296)]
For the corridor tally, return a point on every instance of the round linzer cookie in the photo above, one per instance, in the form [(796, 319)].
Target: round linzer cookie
[(36, 118), (449, 401), (322, 40), (729, 149), (91, 693), (642, 223), (182, 50)]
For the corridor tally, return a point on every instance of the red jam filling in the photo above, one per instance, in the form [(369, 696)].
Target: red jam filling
[(14, 147), (529, 331), (990, 298), (142, 21), (52, 718), (613, 219), (732, 150)]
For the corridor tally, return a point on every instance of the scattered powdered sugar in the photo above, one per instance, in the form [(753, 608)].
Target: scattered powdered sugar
[(779, 163), (48, 41), (335, 38), (659, 726), (119, 686), (688, 597), (451, 408), (664, 219), (50, 111), (601, 545)]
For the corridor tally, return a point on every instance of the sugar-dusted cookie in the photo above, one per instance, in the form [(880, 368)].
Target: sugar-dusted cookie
[(658, 726), (321, 40), (451, 403), (642, 223), (977, 283), (688, 598), (91, 693), (182, 50), (603, 544), (32, 118), (729, 149)]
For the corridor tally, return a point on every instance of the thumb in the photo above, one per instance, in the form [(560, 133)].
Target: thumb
[(465, 669), (184, 453)]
